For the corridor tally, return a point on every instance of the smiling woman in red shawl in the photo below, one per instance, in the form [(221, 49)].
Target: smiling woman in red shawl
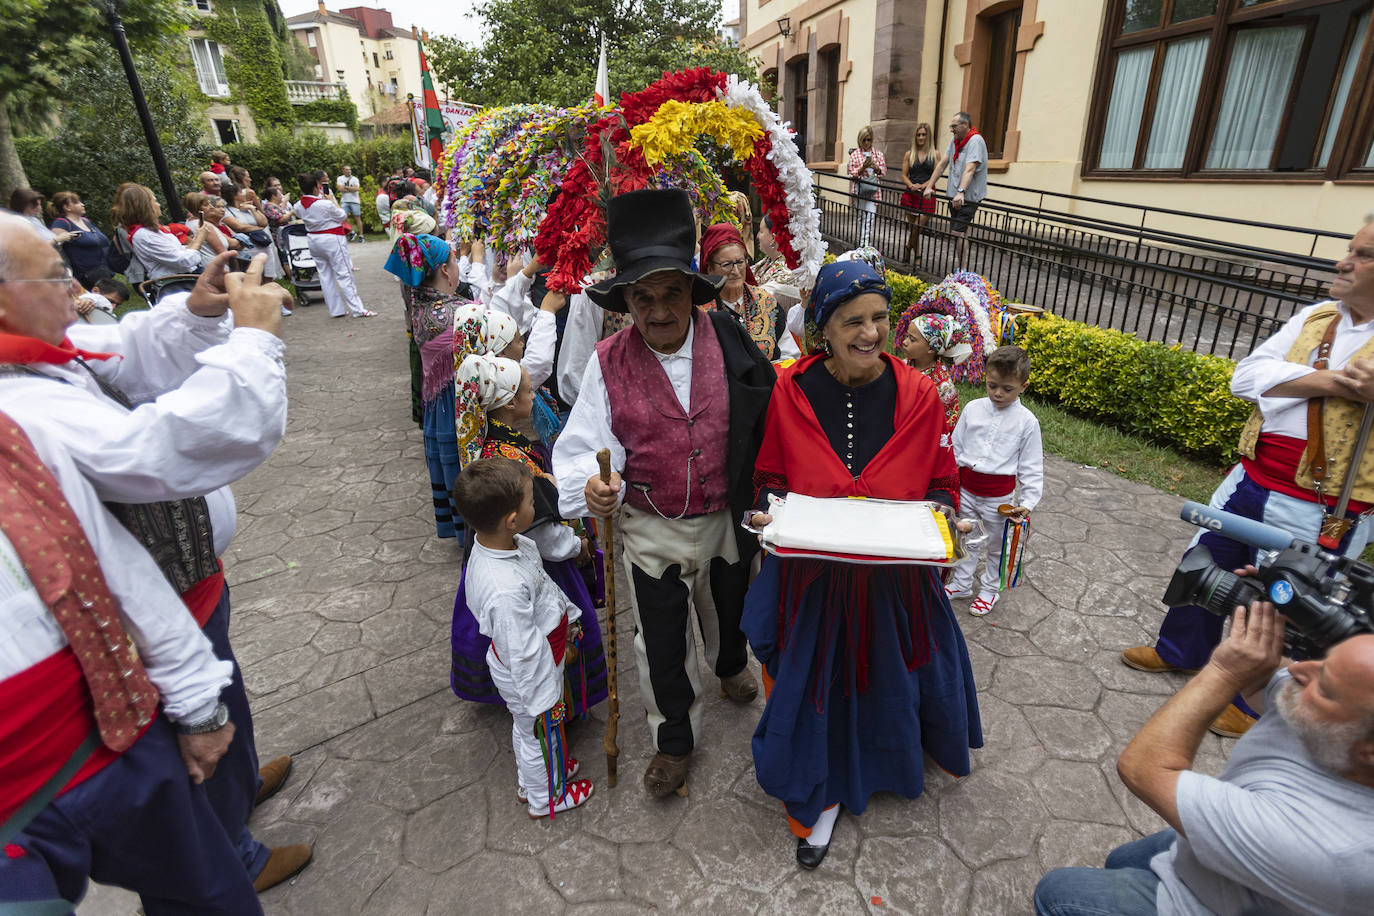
[(865, 666), (723, 254)]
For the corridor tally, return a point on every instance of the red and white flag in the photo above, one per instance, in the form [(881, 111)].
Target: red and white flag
[(603, 80)]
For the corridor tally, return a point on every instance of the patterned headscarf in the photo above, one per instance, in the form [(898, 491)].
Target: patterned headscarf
[(485, 382), (869, 255), (947, 338), (478, 331), (836, 284), (414, 257), (410, 216)]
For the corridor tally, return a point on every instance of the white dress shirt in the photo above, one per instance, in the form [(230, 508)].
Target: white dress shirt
[(321, 215), (1002, 441), (1268, 367), (513, 299), (211, 406), (177, 656), (162, 255), (517, 605), (588, 429), (581, 332)]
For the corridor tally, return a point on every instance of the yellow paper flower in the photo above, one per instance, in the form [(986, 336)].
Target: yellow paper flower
[(676, 125)]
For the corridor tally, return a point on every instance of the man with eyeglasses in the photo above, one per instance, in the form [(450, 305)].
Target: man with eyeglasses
[(211, 406)]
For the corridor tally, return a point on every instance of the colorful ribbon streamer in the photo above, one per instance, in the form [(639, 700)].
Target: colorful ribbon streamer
[(1015, 534)]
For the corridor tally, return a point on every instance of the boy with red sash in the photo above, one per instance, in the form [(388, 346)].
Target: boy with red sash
[(997, 445)]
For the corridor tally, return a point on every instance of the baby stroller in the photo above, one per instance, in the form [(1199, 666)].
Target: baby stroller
[(301, 265)]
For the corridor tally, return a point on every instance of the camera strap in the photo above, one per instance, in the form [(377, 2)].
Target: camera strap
[(1334, 525)]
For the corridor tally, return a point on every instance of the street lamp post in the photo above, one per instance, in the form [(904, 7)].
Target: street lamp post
[(164, 175)]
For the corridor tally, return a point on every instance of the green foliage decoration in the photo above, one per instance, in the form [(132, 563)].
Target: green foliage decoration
[(328, 111), (254, 67), (1164, 393)]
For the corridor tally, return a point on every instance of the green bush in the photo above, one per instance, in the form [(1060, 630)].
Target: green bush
[(905, 291), (1163, 393), (278, 152)]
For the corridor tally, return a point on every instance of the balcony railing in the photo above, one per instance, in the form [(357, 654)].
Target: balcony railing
[(302, 92), (1110, 264)]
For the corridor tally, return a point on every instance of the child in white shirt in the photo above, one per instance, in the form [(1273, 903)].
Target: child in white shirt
[(997, 445), (531, 624)]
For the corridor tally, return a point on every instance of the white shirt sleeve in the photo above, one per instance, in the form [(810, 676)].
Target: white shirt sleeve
[(162, 254), (518, 643), (555, 541), (1030, 466), (513, 298), (158, 346), (587, 431), (538, 358), (581, 332), (1268, 367), (221, 423)]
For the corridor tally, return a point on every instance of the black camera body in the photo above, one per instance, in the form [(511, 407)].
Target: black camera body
[(1326, 598)]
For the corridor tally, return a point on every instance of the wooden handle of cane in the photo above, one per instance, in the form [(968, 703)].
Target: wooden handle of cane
[(609, 742)]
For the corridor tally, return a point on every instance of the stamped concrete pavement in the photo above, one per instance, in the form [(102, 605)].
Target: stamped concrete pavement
[(341, 603)]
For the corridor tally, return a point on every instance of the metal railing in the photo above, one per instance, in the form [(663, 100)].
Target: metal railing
[(302, 92), (1122, 266)]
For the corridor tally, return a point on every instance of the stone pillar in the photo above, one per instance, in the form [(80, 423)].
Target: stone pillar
[(897, 44)]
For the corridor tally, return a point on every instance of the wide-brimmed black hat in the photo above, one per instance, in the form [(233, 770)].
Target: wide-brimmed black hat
[(648, 232)]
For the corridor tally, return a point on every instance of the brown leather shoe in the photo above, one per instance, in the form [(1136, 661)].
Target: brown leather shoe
[(1232, 723), (742, 688), (284, 862), (1145, 658), (667, 773), (273, 776)]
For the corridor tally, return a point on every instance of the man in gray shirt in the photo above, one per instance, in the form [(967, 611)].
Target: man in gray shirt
[(967, 158), (1288, 827)]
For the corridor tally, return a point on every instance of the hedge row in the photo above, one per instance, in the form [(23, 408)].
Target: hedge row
[(1164, 393)]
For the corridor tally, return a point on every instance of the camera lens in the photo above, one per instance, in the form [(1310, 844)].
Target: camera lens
[(1200, 581)]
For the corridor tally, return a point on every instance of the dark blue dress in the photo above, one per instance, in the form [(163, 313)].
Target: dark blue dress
[(825, 737)]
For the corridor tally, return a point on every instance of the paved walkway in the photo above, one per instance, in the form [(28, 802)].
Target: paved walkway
[(341, 602)]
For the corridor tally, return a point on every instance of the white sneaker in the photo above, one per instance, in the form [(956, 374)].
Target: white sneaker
[(574, 765), (983, 604), (967, 593), (285, 312), (577, 793)]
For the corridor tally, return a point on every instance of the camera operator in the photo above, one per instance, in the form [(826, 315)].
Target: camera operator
[(1305, 416), (1288, 827)]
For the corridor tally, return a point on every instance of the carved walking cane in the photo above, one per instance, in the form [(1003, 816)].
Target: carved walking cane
[(603, 458)]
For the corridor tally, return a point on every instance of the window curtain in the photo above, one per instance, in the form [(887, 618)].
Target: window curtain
[(1263, 61), (1347, 76), (1124, 114), (205, 73), (1179, 83)]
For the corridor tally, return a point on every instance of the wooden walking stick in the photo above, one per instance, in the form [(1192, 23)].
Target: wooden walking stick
[(603, 458)]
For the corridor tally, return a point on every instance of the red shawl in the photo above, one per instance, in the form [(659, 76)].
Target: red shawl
[(959, 144)]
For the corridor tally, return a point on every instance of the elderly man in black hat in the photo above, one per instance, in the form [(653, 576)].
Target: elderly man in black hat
[(679, 399)]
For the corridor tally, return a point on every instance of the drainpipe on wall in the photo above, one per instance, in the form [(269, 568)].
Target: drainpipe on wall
[(940, 66)]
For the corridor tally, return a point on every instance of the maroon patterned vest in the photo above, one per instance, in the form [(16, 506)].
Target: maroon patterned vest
[(674, 460)]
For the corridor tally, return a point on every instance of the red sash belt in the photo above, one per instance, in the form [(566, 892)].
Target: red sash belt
[(45, 713), (202, 598), (336, 230), (1275, 467), (986, 486), (558, 640)]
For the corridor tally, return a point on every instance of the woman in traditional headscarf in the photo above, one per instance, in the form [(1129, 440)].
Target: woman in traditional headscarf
[(723, 254), (865, 666), (933, 343), (428, 271), (494, 397)]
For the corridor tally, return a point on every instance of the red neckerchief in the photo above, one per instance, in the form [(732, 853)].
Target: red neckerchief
[(959, 144), (15, 348), (307, 201), (137, 226)]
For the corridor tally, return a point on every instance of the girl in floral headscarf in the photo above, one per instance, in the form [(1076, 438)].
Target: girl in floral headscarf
[(428, 272), (932, 343), (494, 395)]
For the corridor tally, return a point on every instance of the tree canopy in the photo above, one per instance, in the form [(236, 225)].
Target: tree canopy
[(546, 50)]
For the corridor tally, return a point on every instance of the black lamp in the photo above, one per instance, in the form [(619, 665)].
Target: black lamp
[(785, 26)]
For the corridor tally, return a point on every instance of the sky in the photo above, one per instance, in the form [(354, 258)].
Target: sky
[(447, 17)]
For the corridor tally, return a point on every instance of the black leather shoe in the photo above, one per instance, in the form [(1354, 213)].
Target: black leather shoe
[(808, 856)]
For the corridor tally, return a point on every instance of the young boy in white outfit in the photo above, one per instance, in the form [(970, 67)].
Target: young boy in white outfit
[(997, 445), (529, 620)]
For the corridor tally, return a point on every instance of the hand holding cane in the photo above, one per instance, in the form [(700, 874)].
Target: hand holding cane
[(603, 458)]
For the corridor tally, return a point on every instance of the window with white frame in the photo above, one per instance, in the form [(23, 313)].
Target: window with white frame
[(311, 41), (209, 63), (200, 6)]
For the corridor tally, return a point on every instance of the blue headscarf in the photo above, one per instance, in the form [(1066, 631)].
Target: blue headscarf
[(836, 284), (415, 257)]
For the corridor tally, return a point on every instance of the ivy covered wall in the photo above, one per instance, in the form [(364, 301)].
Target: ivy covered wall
[(254, 62)]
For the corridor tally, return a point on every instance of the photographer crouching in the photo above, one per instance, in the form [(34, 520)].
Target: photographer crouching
[(1288, 827)]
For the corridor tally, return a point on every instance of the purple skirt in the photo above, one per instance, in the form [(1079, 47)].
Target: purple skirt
[(586, 679)]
